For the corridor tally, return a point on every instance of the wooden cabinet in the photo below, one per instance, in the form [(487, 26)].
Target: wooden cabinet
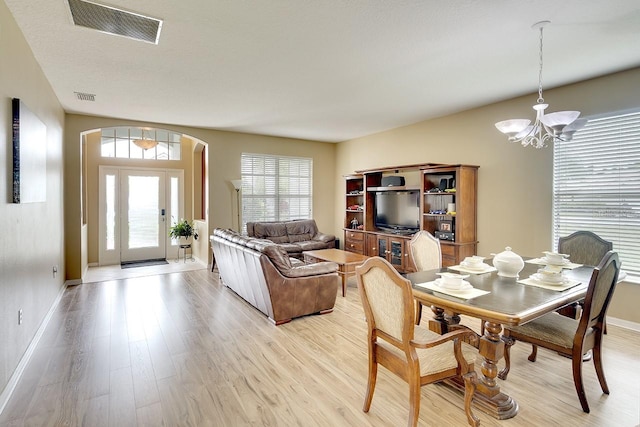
[(391, 248), (354, 241), (394, 249), (441, 188)]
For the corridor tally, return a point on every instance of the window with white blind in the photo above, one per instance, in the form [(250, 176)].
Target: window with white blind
[(275, 188), (596, 184)]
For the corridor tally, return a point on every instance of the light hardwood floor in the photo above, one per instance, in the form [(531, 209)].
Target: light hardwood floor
[(181, 350)]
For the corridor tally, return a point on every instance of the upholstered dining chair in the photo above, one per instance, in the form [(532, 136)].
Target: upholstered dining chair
[(583, 247), (424, 254), (415, 354), (570, 337)]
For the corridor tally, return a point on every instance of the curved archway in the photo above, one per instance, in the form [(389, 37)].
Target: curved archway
[(83, 244)]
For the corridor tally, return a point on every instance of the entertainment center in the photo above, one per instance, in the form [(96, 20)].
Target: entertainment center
[(386, 206)]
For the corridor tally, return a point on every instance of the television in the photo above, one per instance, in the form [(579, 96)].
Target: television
[(398, 211)]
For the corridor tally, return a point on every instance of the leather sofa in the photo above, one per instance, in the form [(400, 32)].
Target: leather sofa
[(294, 236), (262, 273)]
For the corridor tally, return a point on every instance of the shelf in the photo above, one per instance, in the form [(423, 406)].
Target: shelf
[(354, 210), (437, 215), (440, 193), (397, 188)]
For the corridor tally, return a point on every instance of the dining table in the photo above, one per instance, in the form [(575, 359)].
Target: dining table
[(497, 301)]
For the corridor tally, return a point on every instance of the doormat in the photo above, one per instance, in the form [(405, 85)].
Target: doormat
[(143, 263)]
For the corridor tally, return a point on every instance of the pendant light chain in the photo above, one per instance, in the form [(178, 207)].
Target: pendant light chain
[(540, 98)]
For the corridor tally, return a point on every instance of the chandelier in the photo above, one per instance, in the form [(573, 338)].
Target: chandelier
[(559, 126), (145, 143)]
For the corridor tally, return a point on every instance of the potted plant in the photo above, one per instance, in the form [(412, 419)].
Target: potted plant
[(183, 229)]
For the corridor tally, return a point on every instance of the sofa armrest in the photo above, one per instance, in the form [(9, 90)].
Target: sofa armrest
[(315, 269), (325, 238)]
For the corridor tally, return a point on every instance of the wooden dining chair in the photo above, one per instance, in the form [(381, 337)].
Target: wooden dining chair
[(415, 354), (583, 247), (571, 337), (424, 254)]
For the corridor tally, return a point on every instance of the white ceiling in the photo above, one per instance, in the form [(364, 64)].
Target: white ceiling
[(326, 70)]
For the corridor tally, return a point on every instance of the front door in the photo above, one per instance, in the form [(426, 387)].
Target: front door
[(136, 209), (143, 211)]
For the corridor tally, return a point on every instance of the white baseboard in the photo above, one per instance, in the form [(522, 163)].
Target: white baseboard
[(17, 373), (623, 323)]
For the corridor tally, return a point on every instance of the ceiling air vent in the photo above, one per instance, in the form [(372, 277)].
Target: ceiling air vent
[(115, 21), (85, 96)]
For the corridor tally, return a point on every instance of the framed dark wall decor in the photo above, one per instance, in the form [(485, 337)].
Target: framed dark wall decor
[(29, 155)]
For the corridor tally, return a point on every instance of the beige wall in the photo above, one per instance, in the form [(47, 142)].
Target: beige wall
[(224, 150), (514, 183), (32, 239)]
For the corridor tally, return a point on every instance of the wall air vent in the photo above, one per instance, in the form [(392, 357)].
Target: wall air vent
[(115, 21), (85, 96)]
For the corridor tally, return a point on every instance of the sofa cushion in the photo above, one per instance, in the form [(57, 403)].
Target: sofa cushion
[(291, 248), (274, 231), (301, 230), (312, 245), (278, 257), (258, 244), (312, 269)]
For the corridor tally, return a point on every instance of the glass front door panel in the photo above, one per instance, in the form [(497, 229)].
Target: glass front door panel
[(143, 211)]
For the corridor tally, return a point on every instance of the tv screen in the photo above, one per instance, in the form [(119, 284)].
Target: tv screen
[(398, 210)]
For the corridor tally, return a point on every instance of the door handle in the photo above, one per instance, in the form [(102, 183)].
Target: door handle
[(162, 212)]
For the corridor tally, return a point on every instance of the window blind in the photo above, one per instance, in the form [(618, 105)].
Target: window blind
[(275, 188), (596, 184)]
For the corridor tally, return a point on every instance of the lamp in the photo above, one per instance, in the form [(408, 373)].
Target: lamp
[(559, 126), (144, 143), (237, 184)]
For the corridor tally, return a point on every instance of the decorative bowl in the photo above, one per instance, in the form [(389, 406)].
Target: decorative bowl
[(508, 263)]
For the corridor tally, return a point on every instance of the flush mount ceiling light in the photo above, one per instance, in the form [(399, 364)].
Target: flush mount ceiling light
[(145, 143), (559, 126)]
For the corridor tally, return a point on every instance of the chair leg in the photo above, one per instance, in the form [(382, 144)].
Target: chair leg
[(508, 342), (371, 384), (534, 353), (576, 363), (470, 381), (597, 361), (418, 312), (414, 400)]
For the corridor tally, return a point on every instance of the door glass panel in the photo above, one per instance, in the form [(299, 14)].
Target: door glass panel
[(175, 209), (110, 211), (143, 211), (396, 253), (382, 248)]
